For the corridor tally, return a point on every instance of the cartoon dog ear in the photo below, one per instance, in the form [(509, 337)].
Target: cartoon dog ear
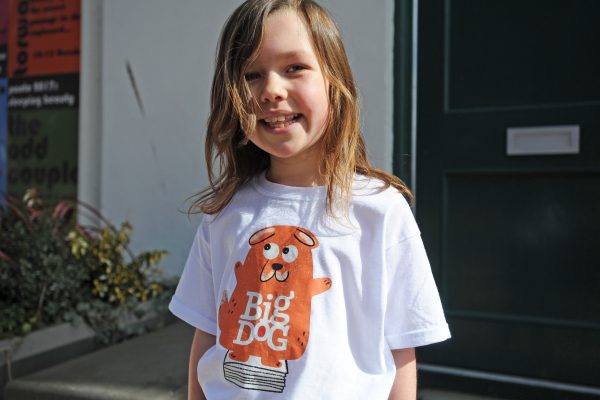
[(261, 235), (306, 238)]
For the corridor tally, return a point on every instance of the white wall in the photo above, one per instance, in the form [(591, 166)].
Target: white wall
[(150, 161), (368, 32)]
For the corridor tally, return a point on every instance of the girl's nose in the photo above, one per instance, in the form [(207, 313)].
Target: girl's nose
[(273, 89)]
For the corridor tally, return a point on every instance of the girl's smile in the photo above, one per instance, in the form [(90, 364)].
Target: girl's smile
[(276, 122), (290, 93)]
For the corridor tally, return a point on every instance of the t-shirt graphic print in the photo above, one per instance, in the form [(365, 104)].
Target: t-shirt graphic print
[(266, 321)]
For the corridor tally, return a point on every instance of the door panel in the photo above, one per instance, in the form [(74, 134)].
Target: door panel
[(521, 54), (513, 240), (543, 219)]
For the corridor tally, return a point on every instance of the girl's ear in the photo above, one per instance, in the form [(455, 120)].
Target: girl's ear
[(261, 235), (306, 238)]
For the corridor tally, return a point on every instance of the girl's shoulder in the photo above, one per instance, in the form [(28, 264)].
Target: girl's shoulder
[(383, 208), (244, 199), (373, 193)]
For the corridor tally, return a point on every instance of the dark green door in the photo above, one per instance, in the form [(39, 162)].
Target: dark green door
[(514, 240)]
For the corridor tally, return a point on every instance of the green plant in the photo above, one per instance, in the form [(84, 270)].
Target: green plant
[(53, 269), (119, 280)]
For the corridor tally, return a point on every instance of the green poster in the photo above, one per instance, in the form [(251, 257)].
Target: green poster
[(42, 152)]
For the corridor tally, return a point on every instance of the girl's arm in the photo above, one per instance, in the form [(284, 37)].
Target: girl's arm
[(202, 342), (405, 383)]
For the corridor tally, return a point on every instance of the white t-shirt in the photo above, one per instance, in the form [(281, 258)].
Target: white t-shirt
[(305, 306)]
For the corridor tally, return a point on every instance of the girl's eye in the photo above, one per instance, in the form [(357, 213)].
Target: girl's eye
[(270, 251), (290, 253), (296, 68), (251, 76)]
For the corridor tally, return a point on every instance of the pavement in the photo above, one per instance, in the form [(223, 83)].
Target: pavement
[(152, 366)]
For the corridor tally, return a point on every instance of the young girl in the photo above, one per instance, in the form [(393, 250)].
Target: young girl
[(307, 278)]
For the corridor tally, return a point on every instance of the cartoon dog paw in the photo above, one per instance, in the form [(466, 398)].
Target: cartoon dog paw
[(227, 306), (302, 339)]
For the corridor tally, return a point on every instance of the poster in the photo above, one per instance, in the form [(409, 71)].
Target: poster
[(43, 37), (43, 97)]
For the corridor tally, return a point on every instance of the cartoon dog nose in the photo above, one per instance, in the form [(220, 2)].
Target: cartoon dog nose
[(277, 267)]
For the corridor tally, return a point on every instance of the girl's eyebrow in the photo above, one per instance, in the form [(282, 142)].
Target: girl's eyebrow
[(292, 54), (288, 55)]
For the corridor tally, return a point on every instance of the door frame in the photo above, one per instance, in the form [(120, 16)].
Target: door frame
[(405, 91)]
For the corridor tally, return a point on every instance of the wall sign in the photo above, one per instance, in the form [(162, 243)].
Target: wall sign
[(43, 44)]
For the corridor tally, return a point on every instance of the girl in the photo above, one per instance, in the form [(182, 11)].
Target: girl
[(307, 278)]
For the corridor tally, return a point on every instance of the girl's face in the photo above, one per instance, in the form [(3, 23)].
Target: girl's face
[(289, 89)]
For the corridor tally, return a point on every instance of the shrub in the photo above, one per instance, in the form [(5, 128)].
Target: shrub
[(54, 270)]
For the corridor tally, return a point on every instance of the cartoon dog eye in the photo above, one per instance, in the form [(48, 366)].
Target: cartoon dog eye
[(290, 253), (270, 251)]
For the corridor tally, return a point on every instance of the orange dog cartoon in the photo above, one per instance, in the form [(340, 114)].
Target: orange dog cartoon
[(268, 314)]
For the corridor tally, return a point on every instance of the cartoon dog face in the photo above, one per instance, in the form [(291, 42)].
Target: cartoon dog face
[(281, 251)]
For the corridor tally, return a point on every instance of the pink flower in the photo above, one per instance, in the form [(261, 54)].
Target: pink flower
[(4, 257), (63, 211)]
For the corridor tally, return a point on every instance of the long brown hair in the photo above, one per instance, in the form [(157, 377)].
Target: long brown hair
[(231, 115)]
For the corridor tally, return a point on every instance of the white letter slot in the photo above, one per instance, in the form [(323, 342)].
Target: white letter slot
[(542, 140)]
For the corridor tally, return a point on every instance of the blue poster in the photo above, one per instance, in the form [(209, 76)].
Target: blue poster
[(3, 137), (3, 101)]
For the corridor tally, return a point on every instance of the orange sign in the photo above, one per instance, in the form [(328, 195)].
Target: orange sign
[(43, 37)]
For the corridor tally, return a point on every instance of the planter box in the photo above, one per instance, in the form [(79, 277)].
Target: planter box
[(50, 346), (43, 348), (149, 367)]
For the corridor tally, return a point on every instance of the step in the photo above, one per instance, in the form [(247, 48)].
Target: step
[(434, 394), (152, 366)]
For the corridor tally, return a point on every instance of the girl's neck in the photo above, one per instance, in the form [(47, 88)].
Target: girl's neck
[(290, 173)]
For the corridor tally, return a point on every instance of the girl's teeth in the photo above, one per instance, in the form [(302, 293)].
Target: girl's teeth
[(280, 124), (280, 121), (280, 118)]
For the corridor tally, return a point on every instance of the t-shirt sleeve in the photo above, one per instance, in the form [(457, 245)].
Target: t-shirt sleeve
[(194, 300), (414, 315)]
